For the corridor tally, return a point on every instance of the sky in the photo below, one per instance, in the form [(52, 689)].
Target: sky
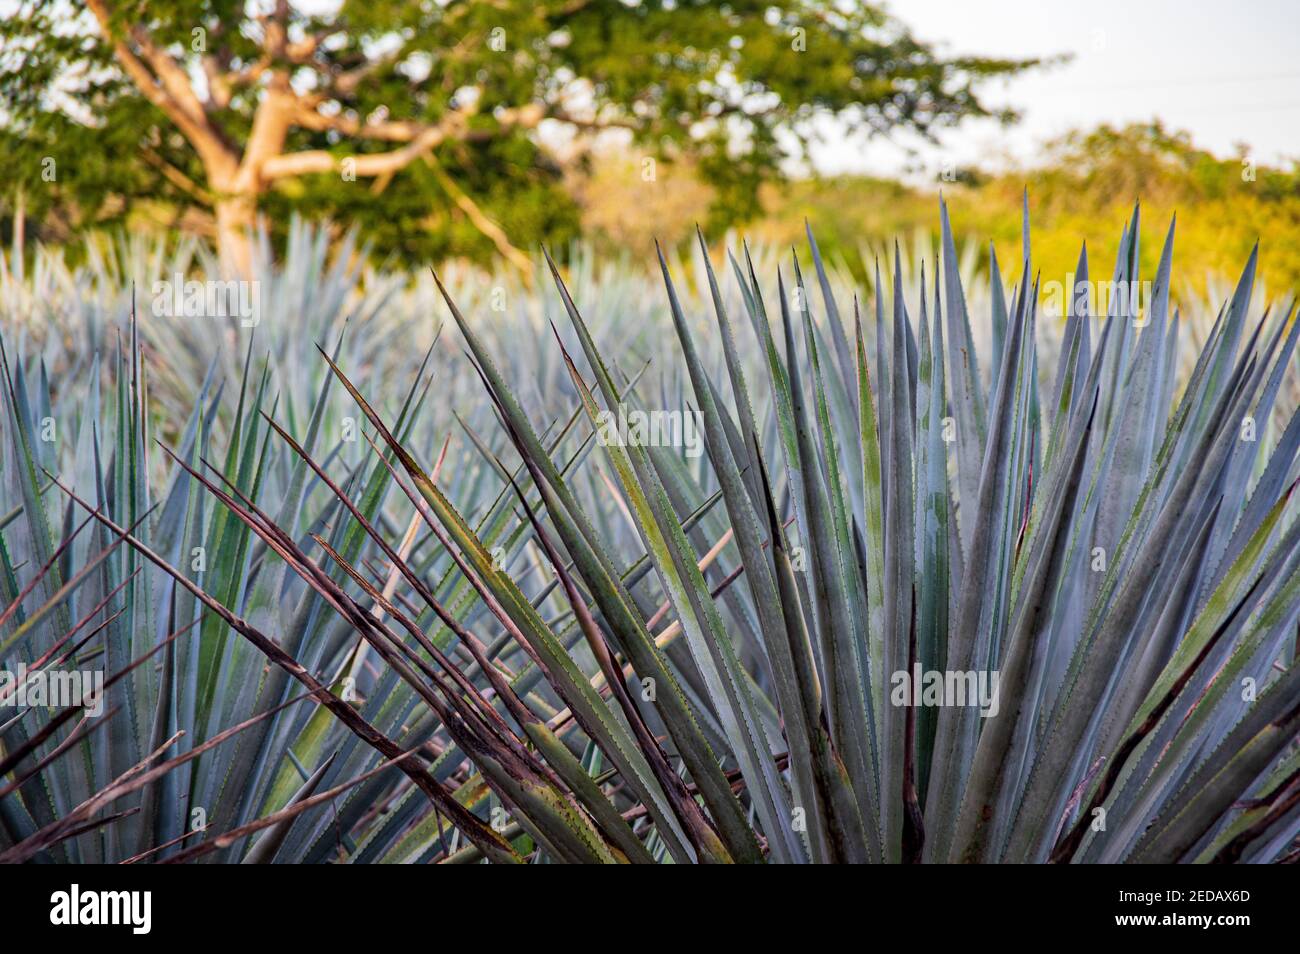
[(1226, 72)]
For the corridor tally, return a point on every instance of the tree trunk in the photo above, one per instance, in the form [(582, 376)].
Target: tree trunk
[(235, 217)]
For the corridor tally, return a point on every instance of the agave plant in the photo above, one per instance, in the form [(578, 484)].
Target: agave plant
[(924, 598)]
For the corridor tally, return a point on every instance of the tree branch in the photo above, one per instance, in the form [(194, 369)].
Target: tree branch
[(170, 91), (271, 122), (452, 127), (344, 84), (176, 177), (174, 79), (480, 220), (559, 114), (306, 117), (219, 83)]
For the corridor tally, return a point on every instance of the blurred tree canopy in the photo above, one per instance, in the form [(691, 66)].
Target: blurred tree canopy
[(421, 122)]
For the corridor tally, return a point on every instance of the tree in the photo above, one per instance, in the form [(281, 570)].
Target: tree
[(220, 102)]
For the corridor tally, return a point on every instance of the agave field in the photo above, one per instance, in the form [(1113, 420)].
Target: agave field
[(406, 569)]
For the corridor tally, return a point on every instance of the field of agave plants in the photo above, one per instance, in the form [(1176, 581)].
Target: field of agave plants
[(914, 571)]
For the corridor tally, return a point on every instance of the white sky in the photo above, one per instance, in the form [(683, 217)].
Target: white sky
[(1226, 72)]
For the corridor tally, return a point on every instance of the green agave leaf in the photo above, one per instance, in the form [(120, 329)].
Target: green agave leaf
[(967, 644), (967, 391), (832, 589)]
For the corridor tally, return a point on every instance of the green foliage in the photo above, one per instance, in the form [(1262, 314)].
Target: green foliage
[(439, 584)]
